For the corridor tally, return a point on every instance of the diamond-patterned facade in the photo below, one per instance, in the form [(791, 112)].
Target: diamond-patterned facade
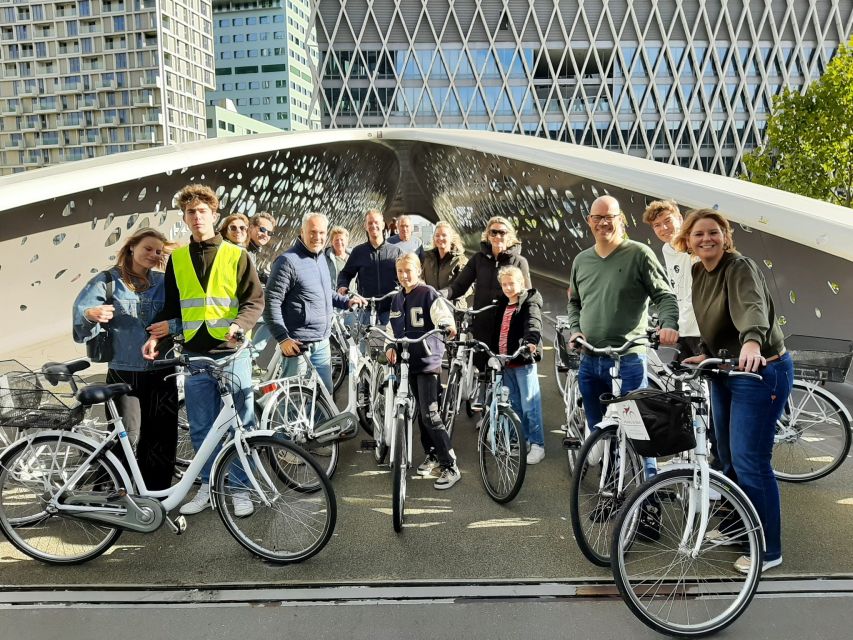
[(687, 82)]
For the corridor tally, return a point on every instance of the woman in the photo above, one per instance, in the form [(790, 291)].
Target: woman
[(735, 313), (499, 247), (337, 253), (445, 260), (235, 229), (150, 411)]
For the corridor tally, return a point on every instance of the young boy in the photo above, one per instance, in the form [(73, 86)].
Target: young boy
[(416, 310), (520, 322)]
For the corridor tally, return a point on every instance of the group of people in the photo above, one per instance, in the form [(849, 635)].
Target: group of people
[(709, 299)]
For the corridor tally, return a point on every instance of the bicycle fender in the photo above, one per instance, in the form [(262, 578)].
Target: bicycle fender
[(509, 410), (73, 437), (230, 445), (832, 399)]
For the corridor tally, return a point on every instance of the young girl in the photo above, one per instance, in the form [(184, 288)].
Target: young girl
[(415, 311), (519, 316)]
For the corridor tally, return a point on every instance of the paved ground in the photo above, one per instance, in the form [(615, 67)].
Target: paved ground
[(458, 535)]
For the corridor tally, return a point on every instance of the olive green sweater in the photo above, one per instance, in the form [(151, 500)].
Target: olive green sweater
[(609, 297), (733, 305)]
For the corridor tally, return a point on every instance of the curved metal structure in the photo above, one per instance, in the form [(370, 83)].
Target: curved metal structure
[(62, 224)]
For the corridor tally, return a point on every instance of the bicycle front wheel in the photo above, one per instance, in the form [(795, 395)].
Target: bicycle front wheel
[(597, 494), (659, 578), (286, 524), (503, 455), (812, 436), (400, 464), (30, 474), (450, 399), (339, 364), (296, 411), (575, 418)]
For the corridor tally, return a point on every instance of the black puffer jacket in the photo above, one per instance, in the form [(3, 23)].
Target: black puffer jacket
[(482, 272), (525, 326)]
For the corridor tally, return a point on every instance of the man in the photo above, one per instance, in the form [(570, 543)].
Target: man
[(404, 238), (299, 300), (373, 263), (611, 285), (261, 227), (665, 219), (196, 275)]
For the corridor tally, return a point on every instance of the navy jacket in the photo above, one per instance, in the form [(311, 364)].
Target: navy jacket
[(375, 269), (412, 317), (299, 296)]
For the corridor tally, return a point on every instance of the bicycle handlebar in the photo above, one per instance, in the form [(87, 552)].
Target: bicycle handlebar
[(409, 341), (504, 358), (185, 360), (376, 299), (703, 368), (649, 339)]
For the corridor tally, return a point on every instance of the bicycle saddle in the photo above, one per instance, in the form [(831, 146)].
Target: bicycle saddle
[(99, 393), (56, 371)]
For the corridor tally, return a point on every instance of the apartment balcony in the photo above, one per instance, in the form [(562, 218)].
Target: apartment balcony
[(33, 161), (145, 138), (143, 101), (29, 91), (62, 123), (109, 85), (31, 126), (50, 143), (150, 81), (17, 144), (12, 111), (108, 122), (72, 87), (152, 118), (89, 106), (47, 108)]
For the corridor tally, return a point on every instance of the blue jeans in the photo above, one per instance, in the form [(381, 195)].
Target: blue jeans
[(320, 355), (745, 414), (203, 404), (594, 379), (526, 401)]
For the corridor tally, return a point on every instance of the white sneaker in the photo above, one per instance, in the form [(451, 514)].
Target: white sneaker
[(744, 564), (199, 503), (243, 506), (536, 455)]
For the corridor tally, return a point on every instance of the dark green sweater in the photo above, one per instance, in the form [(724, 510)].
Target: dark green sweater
[(733, 305), (609, 297)]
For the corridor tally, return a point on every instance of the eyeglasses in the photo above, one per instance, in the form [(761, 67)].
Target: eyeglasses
[(498, 232), (265, 230), (234, 227), (597, 219)]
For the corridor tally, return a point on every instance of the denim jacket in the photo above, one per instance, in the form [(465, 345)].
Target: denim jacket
[(134, 311)]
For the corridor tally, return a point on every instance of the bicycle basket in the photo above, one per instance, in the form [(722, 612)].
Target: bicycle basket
[(27, 403), (820, 359), (658, 423), (567, 359)]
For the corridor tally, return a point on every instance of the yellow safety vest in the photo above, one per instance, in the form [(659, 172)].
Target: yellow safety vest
[(218, 306)]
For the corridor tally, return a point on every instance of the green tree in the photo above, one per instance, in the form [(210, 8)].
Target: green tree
[(809, 137)]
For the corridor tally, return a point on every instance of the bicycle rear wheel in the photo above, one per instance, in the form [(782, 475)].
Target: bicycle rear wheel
[(339, 363), (503, 455), (575, 418), (295, 525), (595, 493), (659, 579), (291, 414), (400, 466), (34, 470), (812, 436)]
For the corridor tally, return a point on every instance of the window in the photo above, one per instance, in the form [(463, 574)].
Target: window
[(242, 70), (281, 115), (281, 84), (278, 18), (251, 20), (238, 22), (265, 20), (239, 37), (220, 124), (231, 127)]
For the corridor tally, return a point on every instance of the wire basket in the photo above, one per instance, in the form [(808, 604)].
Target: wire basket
[(29, 401), (820, 359), (567, 359)]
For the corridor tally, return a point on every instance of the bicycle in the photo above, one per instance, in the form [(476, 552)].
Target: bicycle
[(403, 412), (681, 580), (462, 379), (501, 445), (65, 497), (566, 366), (607, 470), (298, 404)]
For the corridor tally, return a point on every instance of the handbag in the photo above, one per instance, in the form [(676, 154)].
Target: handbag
[(666, 417), (100, 348)]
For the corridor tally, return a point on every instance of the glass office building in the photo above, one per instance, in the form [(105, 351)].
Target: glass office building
[(688, 82)]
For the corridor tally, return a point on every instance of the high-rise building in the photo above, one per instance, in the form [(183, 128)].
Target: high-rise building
[(86, 78), (687, 82), (265, 51), (223, 120)]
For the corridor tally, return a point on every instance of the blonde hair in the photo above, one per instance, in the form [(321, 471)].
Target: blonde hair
[(455, 242), (338, 231), (660, 208), (680, 241), (124, 259), (411, 259), (511, 238), (513, 272)]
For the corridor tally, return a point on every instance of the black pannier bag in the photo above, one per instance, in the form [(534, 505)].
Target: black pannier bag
[(667, 418)]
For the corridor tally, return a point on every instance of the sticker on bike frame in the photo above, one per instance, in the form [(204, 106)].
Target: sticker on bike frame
[(631, 421)]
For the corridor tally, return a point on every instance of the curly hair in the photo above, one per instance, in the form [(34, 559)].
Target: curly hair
[(197, 193), (660, 208)]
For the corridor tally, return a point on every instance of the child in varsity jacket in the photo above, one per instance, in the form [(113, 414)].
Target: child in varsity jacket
[(416, 310), (519, 316)]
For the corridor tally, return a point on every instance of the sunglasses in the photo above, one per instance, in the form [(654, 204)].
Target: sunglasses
[(234, 227), (498, 232), (265, 230)]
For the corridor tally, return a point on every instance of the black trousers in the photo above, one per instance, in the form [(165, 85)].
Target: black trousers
[(150, 416), (434, 437)]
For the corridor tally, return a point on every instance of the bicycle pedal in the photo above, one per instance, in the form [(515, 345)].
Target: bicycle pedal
[(368, 445), (117, 495), (570, 442), (178, 525)]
